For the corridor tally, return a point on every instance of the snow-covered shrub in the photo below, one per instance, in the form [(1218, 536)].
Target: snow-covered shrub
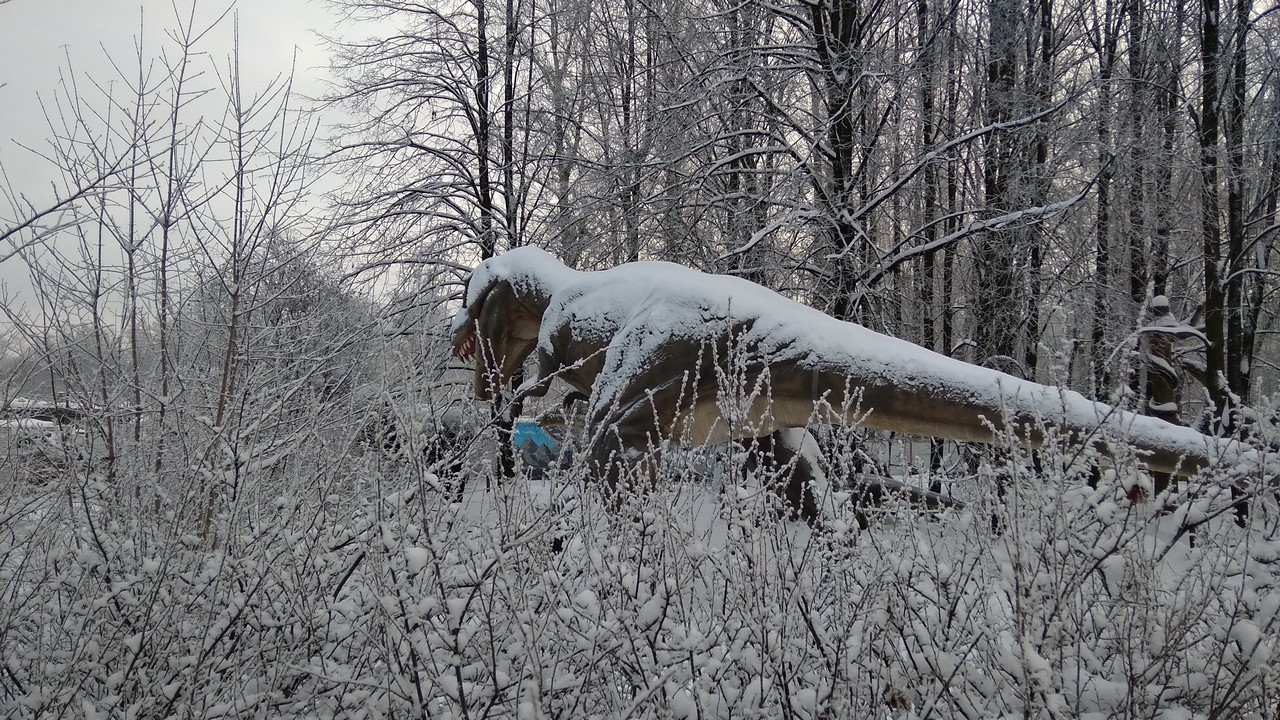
[(354, 587)]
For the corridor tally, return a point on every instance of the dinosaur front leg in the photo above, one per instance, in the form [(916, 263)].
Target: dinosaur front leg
[(625, 459), (630, 435), (783, 452)]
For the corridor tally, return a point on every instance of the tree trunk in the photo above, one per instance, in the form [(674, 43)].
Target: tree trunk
[(1239, 333), (1000, 300), (837, 34), (1105, 40), (1211, 227), (488, 240)]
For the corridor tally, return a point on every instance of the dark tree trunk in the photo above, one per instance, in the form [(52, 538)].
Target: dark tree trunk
[(1240, 333), (927, 39), (1105, 40), (487, 241), (1000, 300), (837, 33), (1211, 226)]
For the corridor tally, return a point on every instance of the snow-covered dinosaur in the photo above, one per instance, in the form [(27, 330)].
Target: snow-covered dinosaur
[(668, 354)]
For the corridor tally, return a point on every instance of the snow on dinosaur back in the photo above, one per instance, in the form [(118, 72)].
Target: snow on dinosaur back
[(636, 310)]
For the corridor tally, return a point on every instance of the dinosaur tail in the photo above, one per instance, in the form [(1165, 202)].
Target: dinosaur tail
[(985, 412)]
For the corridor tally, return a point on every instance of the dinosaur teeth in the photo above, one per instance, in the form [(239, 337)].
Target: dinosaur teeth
[(465, 349)]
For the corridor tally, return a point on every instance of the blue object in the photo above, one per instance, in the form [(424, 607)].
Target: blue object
[(527, 431)]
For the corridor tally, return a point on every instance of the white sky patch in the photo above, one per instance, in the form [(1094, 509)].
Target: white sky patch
[(46, 37)]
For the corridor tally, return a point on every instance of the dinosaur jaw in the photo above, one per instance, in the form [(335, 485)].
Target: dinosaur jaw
[(501, 337), (464, 345)]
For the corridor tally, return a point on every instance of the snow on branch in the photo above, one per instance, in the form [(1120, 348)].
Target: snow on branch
[(992, 223)]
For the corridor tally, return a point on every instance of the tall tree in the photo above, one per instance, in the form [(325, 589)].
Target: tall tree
[(1215, 309), (842, 33), (440, 144), (1241, 326), (1006, 259), (1105, 38)]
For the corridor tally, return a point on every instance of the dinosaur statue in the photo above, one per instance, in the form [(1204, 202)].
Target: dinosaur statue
[(669, 354)]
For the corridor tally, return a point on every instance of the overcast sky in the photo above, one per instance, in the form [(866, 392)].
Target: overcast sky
[(40, 35)]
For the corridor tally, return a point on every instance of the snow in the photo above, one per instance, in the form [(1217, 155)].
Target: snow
[(638, 307), (348, 584), (416, 559)]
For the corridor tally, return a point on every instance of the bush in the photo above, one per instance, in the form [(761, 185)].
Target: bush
[(358, 590)]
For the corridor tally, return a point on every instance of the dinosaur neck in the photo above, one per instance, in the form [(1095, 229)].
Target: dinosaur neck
[(534, 299), (533, 273)]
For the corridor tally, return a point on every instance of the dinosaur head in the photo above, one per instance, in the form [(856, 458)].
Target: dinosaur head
[(500, 334), (498, 324)]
